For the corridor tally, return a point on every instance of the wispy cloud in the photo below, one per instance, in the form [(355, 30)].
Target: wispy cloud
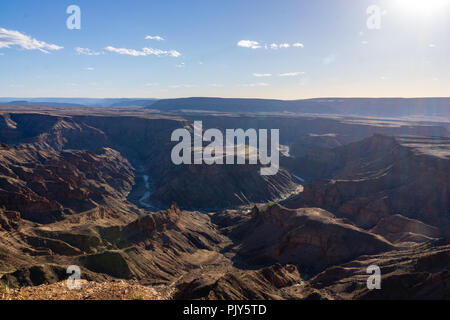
[(262, 75), (89, 69), (130, 52), (291, 74), (216, 85), (144, 52), (151, 84), (249, 44), (157, 38), (87, 51), (10, 38), (274, 46)]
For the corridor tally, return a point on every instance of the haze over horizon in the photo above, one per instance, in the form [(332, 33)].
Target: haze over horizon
[(297, 50), (11, 99)]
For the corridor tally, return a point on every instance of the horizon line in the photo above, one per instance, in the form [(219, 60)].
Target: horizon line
[(246, 98)]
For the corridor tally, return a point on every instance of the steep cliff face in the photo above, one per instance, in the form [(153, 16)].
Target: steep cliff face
[(154, 248), (221, 186), (267, 283), (310, 238), (146, 142), (417, 273), (381, 176), (399, 229), (45, 185), (9, 220)]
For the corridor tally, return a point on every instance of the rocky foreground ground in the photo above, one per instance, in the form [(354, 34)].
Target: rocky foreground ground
[(117, 290)]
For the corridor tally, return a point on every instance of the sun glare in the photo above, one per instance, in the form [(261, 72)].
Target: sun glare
[(421, 7)]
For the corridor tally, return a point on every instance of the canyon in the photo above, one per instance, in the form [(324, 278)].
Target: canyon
[(96, 187)]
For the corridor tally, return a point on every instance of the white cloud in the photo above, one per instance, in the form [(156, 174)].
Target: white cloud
[(215, 85), (273, 46), (89, 69), (87, 51), (364, 42), (152, 84), (261, 75), (10, 38), (144, 52), (157, 38), (180, 65), (291, 74), (259, 84), (130, 52), (249, 44), (432, 45)]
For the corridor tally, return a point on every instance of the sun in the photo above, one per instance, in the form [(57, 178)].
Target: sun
[(421, 7)]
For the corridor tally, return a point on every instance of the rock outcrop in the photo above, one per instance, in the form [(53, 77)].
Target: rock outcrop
[(381, 176), (46, 185), (418, 273), (309, 238), (267, 283)]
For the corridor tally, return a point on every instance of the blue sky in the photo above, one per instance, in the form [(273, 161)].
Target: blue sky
[(287, 49)]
